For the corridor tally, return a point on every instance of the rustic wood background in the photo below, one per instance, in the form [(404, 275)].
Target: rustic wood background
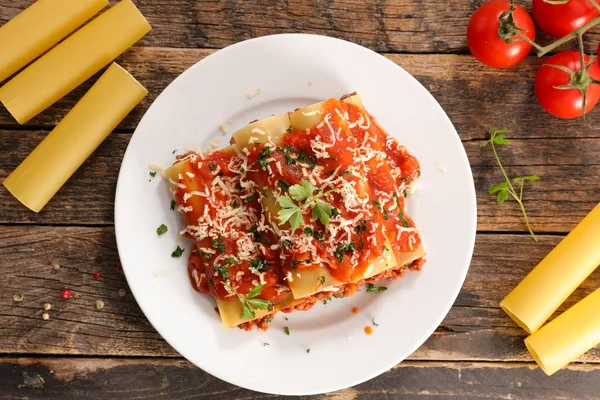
[(477, 352)]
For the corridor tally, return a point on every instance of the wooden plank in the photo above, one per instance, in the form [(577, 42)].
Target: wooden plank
[(74, 378), (473, 95), (410, 26), (568, 189), (475, 328)]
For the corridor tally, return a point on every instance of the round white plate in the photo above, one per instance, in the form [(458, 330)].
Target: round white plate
[(293, 71)]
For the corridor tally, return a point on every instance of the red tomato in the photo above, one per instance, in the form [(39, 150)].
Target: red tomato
[(565, 103), (559, 20), (487, 46)]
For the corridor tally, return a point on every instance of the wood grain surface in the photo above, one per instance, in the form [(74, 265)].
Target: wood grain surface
[(477, 352)]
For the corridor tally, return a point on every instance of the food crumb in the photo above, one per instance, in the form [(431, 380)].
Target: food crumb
[(18, 297), (214, 144), (96, 275), (224, 129), (66, 294), (99, 304), (354, 310), (122, 292), (441, 168), (254, 94), (76, 295), (368, 330), (55, 265), (45, 316), (47, 306), (309, 83)]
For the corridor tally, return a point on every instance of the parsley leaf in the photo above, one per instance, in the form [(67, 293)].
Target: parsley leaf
[(361, 226), (283, 185), (249, 299), (286, 330), (374, 323), (152, 173), (307, 231), (322, 280), (306, 192), (162, 229), (307, 351), (172, 204), (262, 157), (223, 270), (265, 344), (178, 252), (375, 289), (219, 245)]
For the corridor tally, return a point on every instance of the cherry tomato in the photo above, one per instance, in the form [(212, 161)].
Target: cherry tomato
[(565, 103), (487, 46), (559, 20)]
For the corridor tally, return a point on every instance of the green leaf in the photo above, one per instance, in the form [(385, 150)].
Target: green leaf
[(258, 264), (296, 220), (247, 312), (260, 304), (286, 330), (162, 229), (501, 139), (498, 187), (286, 213), (172, 204), (223, 270), (254, 292), (302, 191), (375, 289), (286, 202), (321, 211), (531, 178), (178, 252), (502, 196)]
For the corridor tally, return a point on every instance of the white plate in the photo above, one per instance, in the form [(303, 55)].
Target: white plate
[(189, 113)]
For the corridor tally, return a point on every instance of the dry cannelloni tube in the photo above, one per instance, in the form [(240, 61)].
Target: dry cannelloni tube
[(58, 156), (39, 27), (73, 61)]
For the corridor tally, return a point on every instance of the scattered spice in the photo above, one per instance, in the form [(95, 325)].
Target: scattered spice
[(18, 297), (96, 275), (47, 306), (66, 294), (354, 310), (99, 304), (368, 330), (45, 316), (122, 292)]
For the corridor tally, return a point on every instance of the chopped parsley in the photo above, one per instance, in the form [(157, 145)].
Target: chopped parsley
[(383, 210), (327, 300), (289, 129), (287, 244), (223, 270), (152, 173), (178, 252), (334, 212), (162, 229), (307, 231), (375, 289), (286, 330), (268, 320), (172, 204), (212, 166), (265, 344), (307, 351), (385, 248), (361, 226), (258, 264), (322, 236), (346, 248), (374, 323), (258, 237), (264, 193), (322, 280), (345, 173), (262, 157), (287, 149), (401, 212), (283, 185), (219, 244), (235, 204)]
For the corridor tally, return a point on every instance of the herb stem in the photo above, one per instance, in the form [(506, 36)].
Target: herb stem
[(513, 193)]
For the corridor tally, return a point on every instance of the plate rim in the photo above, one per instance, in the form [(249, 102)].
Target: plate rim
[(472, 197)]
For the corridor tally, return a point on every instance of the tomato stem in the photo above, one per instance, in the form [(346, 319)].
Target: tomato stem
[(596, 5), (548, 48)]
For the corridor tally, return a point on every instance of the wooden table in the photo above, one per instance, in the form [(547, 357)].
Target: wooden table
[(115, 353)]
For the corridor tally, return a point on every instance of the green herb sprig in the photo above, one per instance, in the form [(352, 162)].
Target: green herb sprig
[(506, 188), (251, 300), (304, 193)]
